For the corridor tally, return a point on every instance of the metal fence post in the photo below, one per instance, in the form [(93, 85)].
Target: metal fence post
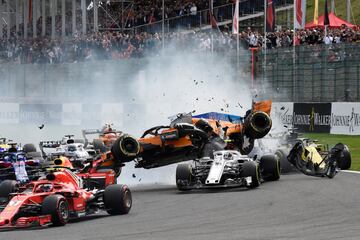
[(358, 83), (346, 83)]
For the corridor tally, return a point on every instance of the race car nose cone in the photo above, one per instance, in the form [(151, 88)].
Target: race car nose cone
[(4, 222)]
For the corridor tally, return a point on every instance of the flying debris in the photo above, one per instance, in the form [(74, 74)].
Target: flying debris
[(133, 175), (41, 126), (282, 108), (197, 99)]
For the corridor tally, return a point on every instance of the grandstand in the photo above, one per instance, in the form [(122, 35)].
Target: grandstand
[(65, 17)]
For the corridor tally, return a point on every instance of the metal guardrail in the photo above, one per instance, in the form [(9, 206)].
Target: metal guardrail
[(319, 73)]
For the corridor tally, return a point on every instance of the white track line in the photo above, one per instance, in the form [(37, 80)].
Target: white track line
[(350, 171)]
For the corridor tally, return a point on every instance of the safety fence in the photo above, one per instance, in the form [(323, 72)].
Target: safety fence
[(319, 73)]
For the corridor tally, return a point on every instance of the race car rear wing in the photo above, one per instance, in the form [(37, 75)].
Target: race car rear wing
[(48, 144)]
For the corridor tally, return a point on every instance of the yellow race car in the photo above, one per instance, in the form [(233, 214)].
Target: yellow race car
[(317, 160)]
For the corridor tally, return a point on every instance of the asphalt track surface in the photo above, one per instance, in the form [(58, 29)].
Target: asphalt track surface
[(295, 207)]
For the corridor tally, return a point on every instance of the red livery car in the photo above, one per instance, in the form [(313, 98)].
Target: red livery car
[(57, 197)]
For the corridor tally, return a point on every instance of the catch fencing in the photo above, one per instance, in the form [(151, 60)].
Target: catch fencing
[(319, 73)]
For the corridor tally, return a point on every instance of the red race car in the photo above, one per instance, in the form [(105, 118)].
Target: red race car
[(56, 198)]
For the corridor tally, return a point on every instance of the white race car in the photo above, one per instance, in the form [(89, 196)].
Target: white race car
[(227, 169), (69, 147)]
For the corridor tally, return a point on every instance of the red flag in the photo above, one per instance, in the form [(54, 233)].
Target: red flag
[(213, 21), (235, 29), (30, 10), (151, 19), (326, 15), (300, 13), (270, 16)]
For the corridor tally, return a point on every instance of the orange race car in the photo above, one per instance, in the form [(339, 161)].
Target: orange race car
[(189, 137), (107, 136)]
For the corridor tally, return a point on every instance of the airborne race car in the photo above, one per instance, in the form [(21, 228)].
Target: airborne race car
[(316, 160), (188, 138), (227, 169), (57, 197)]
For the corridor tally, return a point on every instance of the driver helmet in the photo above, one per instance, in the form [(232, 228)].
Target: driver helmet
[(204, 125)]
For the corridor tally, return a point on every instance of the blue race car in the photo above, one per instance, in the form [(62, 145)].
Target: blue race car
[(20, 165)]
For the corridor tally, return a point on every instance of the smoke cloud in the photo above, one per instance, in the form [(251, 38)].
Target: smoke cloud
[(169, 83)]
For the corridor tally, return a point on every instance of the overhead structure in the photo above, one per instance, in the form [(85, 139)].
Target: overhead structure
[(115, 21), (33, 18)]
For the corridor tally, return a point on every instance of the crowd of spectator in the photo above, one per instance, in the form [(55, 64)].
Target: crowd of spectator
[(117, 45), (303, 37), (135, 13), (142, 12)]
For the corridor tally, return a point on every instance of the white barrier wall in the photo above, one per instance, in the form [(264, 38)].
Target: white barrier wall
[(9, 113), (345, 118), (282, 113)]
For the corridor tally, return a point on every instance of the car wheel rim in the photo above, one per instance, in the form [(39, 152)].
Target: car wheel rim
[(63, 210), (127, 199)]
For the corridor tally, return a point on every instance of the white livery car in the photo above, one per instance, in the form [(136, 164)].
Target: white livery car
[(73, 149), (227, 168)]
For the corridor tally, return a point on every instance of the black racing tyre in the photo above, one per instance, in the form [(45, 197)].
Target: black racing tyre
[(270, 168), (99, 145), (7, 187), (251, 169), (183, 176), (257, 124), (344, 158), (58, 208), (282, 156), (117, 199), (29, 147), (125, 148)]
